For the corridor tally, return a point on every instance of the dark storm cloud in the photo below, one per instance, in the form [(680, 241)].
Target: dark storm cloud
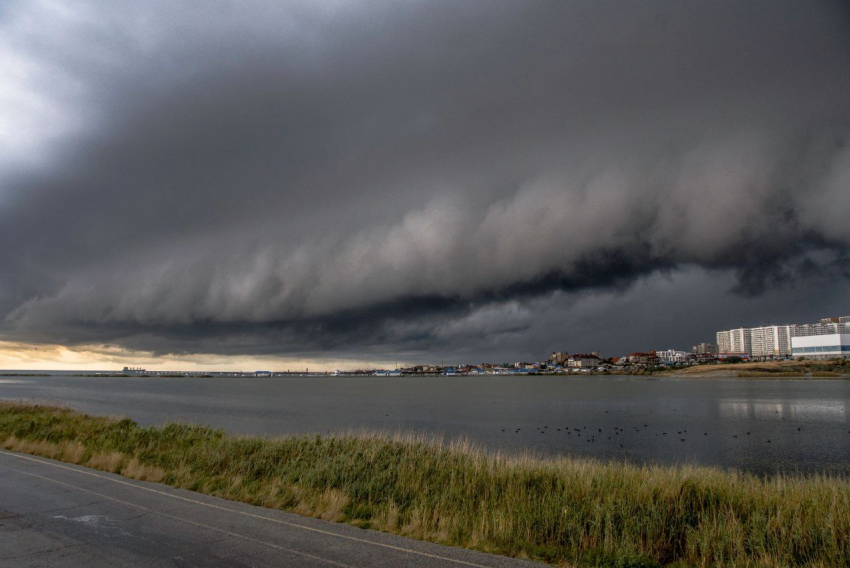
[(370, 178)]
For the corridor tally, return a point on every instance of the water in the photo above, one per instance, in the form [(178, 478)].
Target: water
[(761, 426)]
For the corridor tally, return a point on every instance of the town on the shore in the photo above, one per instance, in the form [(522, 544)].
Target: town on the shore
[(827, 339)]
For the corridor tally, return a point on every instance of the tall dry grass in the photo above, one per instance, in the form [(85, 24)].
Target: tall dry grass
[(559, 511)]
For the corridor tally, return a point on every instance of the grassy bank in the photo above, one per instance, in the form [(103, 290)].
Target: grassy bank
[(564, 511), (774, 374), (834, 369)]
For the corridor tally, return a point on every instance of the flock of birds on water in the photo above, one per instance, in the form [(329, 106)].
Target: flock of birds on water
[(617, 431), (590, 437)]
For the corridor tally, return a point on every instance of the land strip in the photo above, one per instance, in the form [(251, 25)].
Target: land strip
[(559, 511), (767, 369), (68, 515)]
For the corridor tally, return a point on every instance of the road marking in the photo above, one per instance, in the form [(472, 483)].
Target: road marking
[(219, 507)]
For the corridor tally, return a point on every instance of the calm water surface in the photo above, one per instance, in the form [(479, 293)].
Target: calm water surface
[(760, 426)]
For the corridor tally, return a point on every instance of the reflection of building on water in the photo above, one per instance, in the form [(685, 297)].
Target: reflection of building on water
[(818, 410)]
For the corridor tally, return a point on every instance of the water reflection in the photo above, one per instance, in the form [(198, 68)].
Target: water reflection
[(810, 410)]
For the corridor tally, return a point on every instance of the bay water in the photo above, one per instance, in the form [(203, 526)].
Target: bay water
[(759, 426)]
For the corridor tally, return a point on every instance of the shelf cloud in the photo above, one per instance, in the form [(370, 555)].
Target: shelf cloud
[(343, 178)]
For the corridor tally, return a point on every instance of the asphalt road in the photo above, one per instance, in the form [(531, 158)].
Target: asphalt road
[(56, 514)]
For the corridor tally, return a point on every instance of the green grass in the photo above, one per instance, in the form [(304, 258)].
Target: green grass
[(560, 511)]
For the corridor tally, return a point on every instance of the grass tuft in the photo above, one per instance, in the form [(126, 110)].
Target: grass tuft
[(561, 511)]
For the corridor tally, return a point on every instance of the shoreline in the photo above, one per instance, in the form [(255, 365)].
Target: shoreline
[(564, 510), (658, 375), (807, 369)]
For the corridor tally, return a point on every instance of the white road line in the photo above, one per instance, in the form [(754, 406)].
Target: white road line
[(243, 513)]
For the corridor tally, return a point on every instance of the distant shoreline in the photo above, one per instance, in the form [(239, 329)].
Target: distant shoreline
[(708, 373), (807, 369)]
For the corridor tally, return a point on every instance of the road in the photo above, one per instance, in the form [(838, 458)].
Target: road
[(57, 514)]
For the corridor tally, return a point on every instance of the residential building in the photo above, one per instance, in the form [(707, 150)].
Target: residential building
[(702, 357), (639, 358), (703, 348), (775, 340), (809, 329), (583, 361), (724, 341), (559, 357), (771, 341), (740, 340), (822, 328), (669, 356)]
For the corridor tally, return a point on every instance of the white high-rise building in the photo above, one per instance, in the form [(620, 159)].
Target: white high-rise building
[(776, 340), (809, 329), (724, 342), (771, 341), (741, 340), (759, 342)]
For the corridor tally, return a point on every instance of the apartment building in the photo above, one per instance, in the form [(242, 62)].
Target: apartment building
[(559, 357), (771, 340), (776, 340), (583, 361), (672, 356), (740, 340), (704, 348), (724, 342)]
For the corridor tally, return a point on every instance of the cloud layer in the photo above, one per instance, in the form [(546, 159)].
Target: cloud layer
[(406, 177)]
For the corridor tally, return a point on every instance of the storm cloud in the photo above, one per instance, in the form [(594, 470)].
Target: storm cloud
[(367, 178)]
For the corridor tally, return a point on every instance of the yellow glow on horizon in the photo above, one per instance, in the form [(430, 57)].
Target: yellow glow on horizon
[(18, 356)]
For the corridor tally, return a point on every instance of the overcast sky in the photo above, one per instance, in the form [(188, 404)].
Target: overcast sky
[(418, 181)]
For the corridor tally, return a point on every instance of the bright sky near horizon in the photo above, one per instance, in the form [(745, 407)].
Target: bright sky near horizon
[(28, 357)]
